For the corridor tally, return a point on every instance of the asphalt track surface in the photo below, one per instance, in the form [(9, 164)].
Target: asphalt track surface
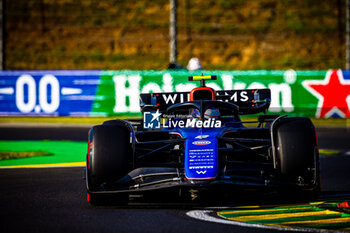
[(54, 199)]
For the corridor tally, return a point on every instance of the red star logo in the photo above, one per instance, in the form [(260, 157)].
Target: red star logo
[(333, 94)]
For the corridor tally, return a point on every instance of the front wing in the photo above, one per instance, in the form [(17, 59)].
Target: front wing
[(154, 178)]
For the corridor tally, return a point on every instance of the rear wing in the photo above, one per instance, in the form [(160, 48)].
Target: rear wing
[(249, 101)]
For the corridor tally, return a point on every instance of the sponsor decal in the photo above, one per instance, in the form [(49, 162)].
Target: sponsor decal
[(201, 143), (171, 98), (152, 120), (333, 94), (132, 85), (174, 98), (201, 160), (201, 167), (202, 136), (110, 93), (54, 93)]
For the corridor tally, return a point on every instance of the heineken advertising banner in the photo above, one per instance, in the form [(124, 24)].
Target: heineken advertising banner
[(319, 94)]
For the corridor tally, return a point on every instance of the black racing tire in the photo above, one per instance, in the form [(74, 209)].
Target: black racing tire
[(297, 153), (130, 123), (110, 159)]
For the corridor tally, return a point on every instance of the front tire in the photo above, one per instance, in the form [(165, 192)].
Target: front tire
[(298, 156), (109, 159)]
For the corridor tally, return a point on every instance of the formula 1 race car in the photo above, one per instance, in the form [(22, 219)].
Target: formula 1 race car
[(197, 141)]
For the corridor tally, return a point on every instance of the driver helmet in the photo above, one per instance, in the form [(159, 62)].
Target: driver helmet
[(212, 113)]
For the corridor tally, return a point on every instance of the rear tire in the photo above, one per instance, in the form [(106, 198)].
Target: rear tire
[(298, 157), (110, 159)]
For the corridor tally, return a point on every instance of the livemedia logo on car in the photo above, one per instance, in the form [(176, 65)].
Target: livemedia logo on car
[(151, 120), (191, 123)]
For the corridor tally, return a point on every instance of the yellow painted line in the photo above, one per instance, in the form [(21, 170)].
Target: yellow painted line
[(316, 203), (313, 222), (73, 164), (328, 152), (279, 216), (263, 210), (274, 206)]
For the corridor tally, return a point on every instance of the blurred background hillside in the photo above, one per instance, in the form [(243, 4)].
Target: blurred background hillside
[(123, 34)]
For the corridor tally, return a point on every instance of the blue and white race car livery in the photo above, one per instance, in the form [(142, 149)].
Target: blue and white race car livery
[(197, 141)]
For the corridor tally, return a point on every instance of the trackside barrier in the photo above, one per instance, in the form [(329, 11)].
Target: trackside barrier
[(319, 94)]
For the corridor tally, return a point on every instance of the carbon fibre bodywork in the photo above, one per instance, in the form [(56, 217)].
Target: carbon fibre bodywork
[(246, 159)]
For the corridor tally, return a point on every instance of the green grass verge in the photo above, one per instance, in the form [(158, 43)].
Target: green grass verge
[(60, 120), (61, 152), (13, 153), (5, 155)]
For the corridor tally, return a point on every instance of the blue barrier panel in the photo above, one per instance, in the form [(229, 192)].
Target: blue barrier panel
[(48, 93)]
